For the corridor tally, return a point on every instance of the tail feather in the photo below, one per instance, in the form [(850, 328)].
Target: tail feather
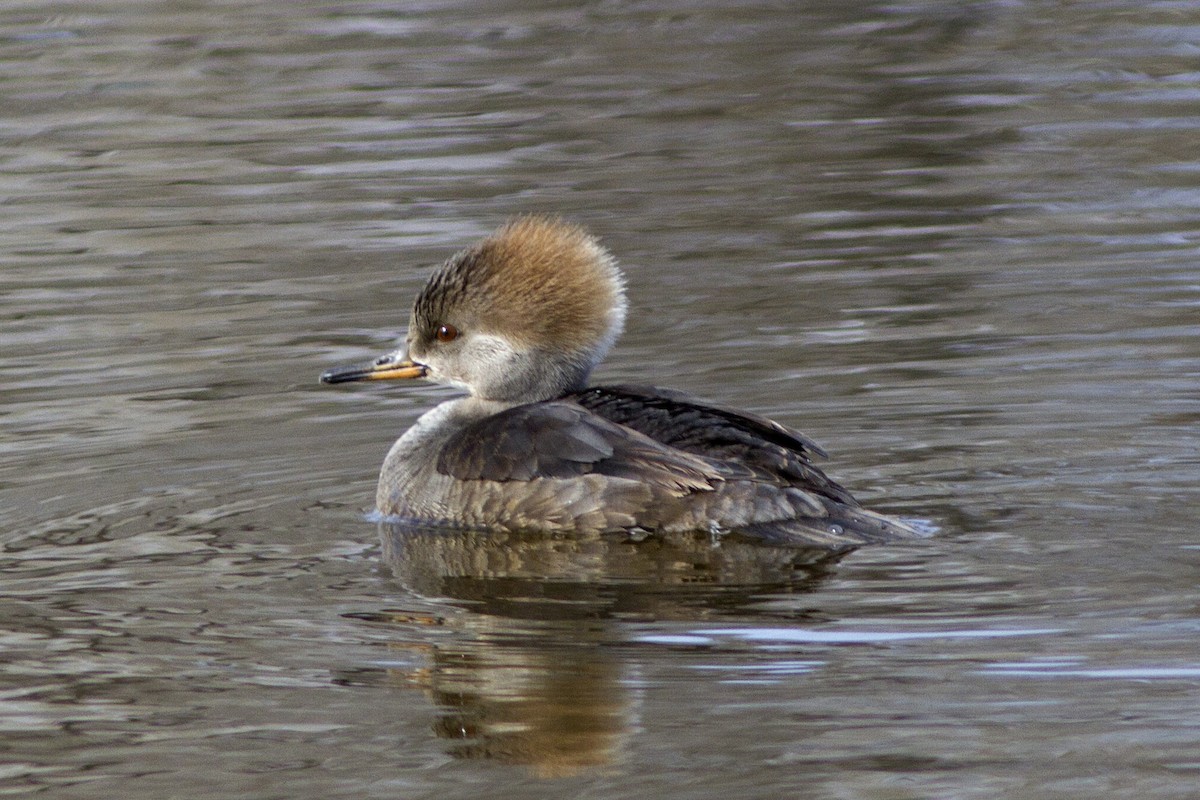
[(844, 528)]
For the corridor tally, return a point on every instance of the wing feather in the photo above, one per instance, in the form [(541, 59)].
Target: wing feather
[(762, 449), (561, 439)]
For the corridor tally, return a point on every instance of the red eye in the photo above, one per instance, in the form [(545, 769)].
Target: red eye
[(446, 333)]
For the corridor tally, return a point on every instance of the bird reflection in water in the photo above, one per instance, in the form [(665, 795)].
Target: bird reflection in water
[(528, 664)]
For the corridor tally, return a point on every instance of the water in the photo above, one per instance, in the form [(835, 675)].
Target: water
[(954, 243)]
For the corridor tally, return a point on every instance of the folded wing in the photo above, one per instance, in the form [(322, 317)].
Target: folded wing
[(562, 439)]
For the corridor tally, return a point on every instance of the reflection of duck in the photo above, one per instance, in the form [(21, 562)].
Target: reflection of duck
[(560, 711), (520, 320), (525, 650), (552, 697), (528, 575)]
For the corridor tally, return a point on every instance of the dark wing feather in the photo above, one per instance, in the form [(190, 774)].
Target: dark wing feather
[(761, 448), (561, 439)]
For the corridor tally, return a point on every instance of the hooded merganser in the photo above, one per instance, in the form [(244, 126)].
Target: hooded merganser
[(519, 321)]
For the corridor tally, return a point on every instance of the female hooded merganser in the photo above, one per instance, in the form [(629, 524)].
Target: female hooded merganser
[(519, 321)]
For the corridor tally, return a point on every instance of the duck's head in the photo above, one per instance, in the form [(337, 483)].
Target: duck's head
[(524, 315)]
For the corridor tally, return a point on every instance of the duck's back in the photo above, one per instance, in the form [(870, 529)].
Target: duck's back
[(746, 444), (659, 459), (767, 467)]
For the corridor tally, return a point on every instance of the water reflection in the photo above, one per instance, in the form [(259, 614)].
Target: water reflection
[(539, 577), (531, 674)]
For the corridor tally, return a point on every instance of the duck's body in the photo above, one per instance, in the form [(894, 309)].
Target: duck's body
[(520, 320)]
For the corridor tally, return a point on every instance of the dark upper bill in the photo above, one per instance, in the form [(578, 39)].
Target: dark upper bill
[(385, 369)]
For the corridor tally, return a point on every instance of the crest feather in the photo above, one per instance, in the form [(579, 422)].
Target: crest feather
[(537, 281)]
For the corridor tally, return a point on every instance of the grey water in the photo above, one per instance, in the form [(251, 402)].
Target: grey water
[(956, 243)]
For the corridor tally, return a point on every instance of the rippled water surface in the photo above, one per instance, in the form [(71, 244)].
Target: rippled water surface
[(957, 243)]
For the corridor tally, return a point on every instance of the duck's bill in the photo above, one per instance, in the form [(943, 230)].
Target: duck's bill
[(385, 369)]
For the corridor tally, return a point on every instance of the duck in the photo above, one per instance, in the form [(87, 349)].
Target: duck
[(519, 321)]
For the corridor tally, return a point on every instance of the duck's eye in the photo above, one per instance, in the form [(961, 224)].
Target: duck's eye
[(446, 333)]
